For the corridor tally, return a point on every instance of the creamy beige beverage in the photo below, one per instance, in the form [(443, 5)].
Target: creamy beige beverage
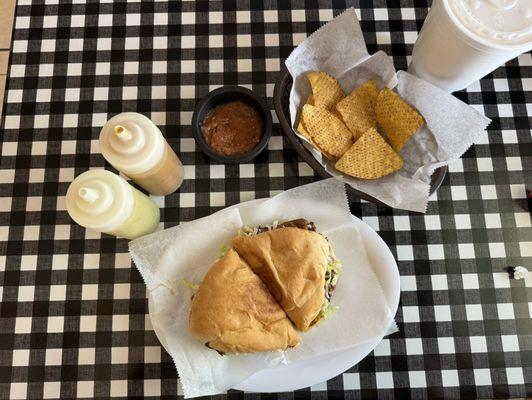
[(134, 145), (105, 202), (463, 40)]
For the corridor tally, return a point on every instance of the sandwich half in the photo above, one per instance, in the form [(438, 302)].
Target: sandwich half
[(297, 265), (233, 311)]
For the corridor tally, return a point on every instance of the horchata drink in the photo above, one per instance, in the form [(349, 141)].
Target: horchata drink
[(135, 146), (100, 200), (463, 40)]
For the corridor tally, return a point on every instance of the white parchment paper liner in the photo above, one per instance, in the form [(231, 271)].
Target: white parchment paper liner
[(188, 250), (452, 126)]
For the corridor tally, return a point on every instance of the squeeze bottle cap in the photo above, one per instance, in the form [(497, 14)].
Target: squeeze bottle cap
[(132, 143), (99, 199)]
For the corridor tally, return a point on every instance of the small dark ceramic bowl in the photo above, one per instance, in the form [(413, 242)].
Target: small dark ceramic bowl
[(224, 95)]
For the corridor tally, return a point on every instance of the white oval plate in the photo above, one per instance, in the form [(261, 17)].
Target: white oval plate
[(287, 378)]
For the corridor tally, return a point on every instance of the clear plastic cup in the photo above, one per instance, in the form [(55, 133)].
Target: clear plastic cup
[(461, 41)]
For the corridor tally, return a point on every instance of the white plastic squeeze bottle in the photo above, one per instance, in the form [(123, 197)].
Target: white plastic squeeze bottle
[(463, 40), (100, 200), (134, 145)]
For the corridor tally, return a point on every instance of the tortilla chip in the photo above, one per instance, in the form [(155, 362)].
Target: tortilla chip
[(326, 90), (358, 109), (370, 158), (326, 130), (301, 129), (397, 119)]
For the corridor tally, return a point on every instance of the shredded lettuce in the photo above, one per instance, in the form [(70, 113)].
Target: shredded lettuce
[(332, 271), (330, 277), (189, 284), (223, 250), (246, 231), (325, 305), (326, 310), (334, 265), (326, 313)]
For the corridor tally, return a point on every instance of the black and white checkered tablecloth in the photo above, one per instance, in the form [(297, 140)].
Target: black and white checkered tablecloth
[(73, 316)]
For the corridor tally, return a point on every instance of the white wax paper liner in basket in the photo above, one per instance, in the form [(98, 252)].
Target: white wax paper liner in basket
[(188, 250), (338, 48)]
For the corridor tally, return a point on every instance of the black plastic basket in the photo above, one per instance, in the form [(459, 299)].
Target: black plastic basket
[(281, 101)]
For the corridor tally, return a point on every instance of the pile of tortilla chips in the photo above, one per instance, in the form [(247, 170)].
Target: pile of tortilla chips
[(362, 132)]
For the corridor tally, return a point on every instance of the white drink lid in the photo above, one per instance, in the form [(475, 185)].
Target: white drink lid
[(99, 199), (495, 23), (132, 143)]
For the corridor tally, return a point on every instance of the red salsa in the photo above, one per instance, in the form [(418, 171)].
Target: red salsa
[(232, 128)]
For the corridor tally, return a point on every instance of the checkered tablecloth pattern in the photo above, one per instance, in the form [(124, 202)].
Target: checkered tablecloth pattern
[(73, 315)]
